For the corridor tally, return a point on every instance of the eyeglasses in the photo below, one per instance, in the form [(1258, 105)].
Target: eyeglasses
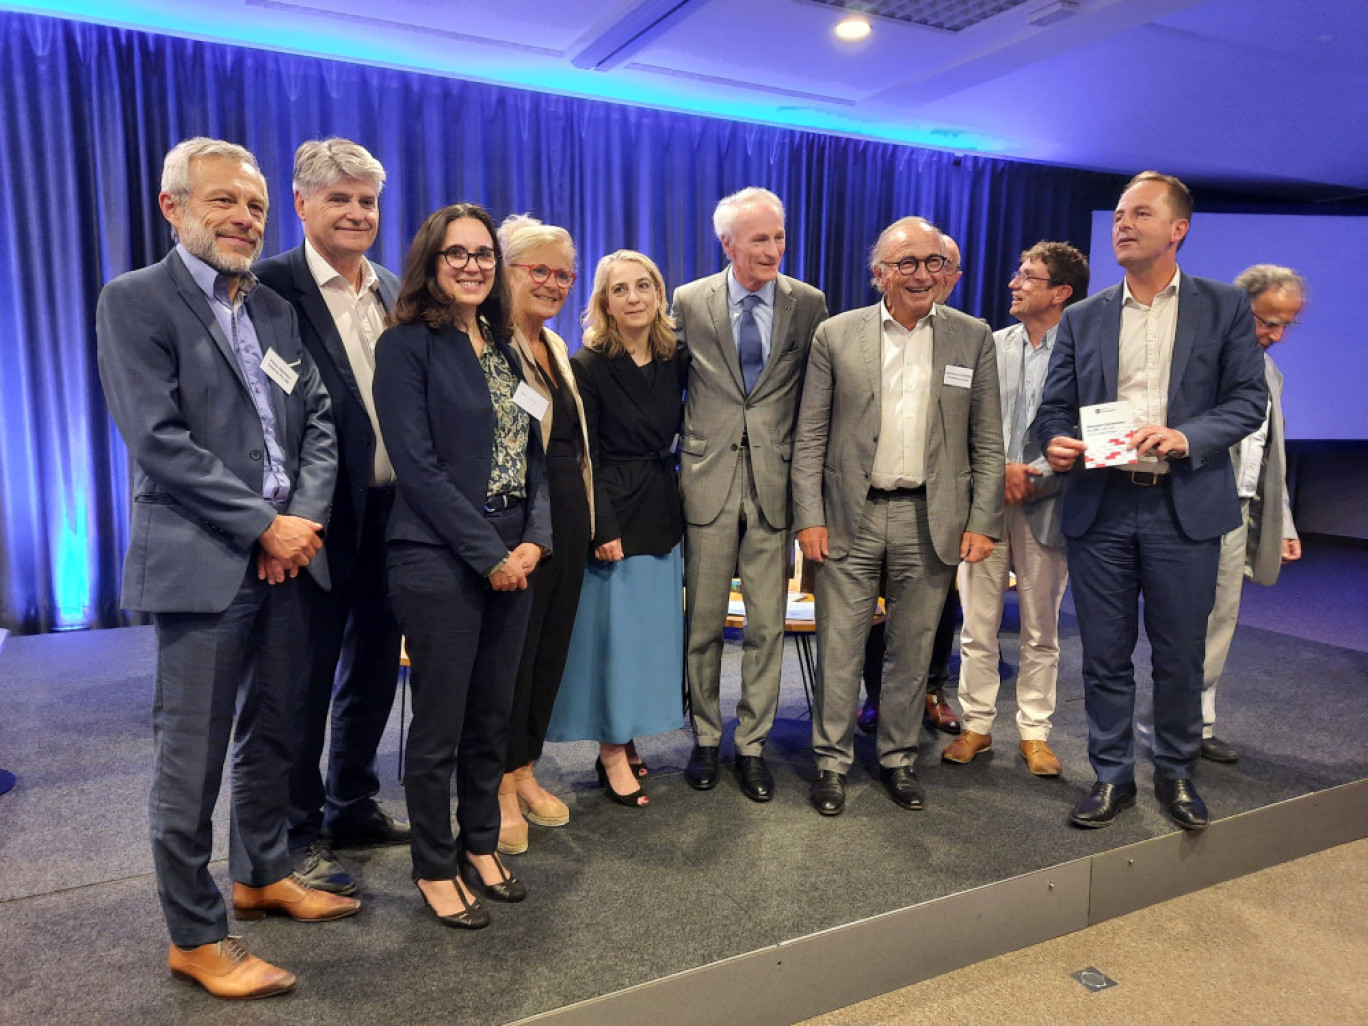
[(540, 272), (1275, 325), (1023, 276), (457, 257), (908, 266)]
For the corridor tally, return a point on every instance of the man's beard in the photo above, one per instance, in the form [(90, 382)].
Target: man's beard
[(203, 243)]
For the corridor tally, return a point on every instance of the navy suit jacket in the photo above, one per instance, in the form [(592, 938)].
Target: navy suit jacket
[(288, 274), (1216, 396), (175, 391), (435, 412)]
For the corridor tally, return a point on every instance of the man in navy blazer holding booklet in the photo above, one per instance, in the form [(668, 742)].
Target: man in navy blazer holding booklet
[(1181, 350)]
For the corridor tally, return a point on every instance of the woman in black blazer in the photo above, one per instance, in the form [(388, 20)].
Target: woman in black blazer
[(470, 523), (624, 670)]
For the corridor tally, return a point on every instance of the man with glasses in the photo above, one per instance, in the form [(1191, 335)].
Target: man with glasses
[(1052, 276), (341, 299), (748, 330), (1266, 537), (897, 474), (1180, 352)]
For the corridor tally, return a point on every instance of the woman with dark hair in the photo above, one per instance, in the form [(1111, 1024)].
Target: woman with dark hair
[(470, 524), (623, 676)]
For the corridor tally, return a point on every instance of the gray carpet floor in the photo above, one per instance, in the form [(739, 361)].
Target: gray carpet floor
[(619, 896)]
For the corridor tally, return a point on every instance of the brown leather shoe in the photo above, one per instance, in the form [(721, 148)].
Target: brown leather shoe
[(939, 715), (292, 898), (228, 970), (966, 746), (1039, 759)]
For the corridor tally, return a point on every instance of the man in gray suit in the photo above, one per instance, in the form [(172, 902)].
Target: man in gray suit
[(1052, 275), (748, 330), (234, 457), (1266, 537), (897, 470)]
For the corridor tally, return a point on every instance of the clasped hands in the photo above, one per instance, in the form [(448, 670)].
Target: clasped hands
[(286, 546), (512, 576)]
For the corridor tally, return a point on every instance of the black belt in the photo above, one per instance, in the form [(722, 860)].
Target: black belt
[(502, 501), (897, 493), (1145, 478)]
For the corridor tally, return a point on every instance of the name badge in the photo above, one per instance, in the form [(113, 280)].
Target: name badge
[(531, 400), (282, 373), (960, 377)]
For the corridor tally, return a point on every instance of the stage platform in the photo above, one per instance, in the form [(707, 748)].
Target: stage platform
[(701, 908)]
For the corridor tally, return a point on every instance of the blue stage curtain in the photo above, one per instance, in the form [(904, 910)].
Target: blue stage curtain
[(87, 112)]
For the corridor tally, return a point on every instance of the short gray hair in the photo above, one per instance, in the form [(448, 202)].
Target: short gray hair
[(521, 233), (175, 178), (320, 163), (901, 224), (729, 208), (1263, 278)]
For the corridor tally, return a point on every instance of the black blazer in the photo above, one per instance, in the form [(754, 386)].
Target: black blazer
[(632, 430), (288, 274), (438, 421)]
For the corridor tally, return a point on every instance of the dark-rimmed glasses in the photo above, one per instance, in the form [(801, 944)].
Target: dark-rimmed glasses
[(539, 273), (457, 257), (1023, 276), (908, 266)]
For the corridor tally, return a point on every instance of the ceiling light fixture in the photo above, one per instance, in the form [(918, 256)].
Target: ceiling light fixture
[(852, 29)]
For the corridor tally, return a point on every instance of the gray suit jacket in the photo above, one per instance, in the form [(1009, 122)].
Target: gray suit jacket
[(838, 429), (175, 391), (1270, 511), (1043, 509), (717, 411)]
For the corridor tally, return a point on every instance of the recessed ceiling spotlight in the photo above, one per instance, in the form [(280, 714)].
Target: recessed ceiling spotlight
[(852, 29)]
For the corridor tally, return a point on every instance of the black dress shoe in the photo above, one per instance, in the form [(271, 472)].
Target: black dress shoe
[(509, 888), (1216, 750), (904, 787), (868, 720), (828, 793), (702, 771), (1182, 802), (757, 783), (1100, 805), (379, 827)]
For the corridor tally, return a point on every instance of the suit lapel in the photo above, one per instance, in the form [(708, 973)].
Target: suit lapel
[(629, 378), (870, 342), (199, 304), (320, 319), (1185, 335), (721, 325), (943, 341), (783, 316), (268, 331)]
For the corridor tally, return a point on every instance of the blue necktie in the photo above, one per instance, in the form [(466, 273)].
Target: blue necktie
[(748, 346)]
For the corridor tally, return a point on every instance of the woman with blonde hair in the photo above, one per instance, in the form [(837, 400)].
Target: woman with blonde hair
[(540, 260), (623, 676)]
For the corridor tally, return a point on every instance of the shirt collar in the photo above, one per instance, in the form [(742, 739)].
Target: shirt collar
[(1170, 289), (886, 317), (210, 280), (736, 292), (325, 274)]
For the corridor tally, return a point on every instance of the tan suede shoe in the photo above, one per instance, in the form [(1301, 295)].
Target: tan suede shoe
[(966, 746), (541, 806), (512, 826), (1039, 759), (228, 970), (292, 898)]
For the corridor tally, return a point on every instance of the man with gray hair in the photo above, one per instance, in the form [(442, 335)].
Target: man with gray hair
[(1266, 537), (748, 329), (341, 299), (234, 457), (897, 474)]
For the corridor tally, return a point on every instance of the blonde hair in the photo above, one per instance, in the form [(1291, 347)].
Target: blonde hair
[(600, 330), (521, 233)]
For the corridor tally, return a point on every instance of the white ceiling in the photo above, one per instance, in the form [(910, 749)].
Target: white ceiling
[(1261, 95)]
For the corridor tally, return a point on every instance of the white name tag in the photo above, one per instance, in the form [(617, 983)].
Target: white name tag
[(531, 400), (282, 373), (960, 377)]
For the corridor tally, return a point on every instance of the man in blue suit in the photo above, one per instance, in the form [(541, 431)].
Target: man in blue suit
[(342, 299), (1181, 351), (234, 457)]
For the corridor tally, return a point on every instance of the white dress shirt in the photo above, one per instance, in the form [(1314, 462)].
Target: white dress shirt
[(1146, 359), (905, 385)]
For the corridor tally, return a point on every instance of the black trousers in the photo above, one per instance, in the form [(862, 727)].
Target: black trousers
[(353, 668), (464, 640), (555, 588)]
